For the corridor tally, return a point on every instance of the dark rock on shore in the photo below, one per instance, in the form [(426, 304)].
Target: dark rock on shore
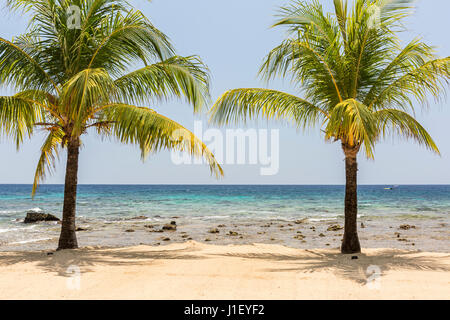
[(139, 218), (406, 227), (214, 230), (172, 226), (35, 216), (335, 227), (81, 229)]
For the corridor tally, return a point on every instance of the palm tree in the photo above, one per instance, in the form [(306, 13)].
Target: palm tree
[(359, 83), (77, 80)]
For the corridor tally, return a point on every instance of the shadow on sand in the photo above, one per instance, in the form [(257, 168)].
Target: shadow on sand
[(344, 266), (60, 261)]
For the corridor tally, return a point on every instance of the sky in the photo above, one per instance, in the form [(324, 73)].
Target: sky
[(232, 37)]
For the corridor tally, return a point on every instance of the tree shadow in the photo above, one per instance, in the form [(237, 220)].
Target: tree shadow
[(59, 262), (344, 266)]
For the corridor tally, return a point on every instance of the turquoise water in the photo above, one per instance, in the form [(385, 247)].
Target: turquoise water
[(209, 203)]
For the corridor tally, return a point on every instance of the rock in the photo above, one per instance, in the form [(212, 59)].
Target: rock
[(354, 257), (184, 236), (166, 239), (207, 239), (129, 230), (321, 235), (406, 227), (221, 226), (149, 226), (362, 225), (170, 227), (139, 218), (233, 233), (36, 216), (174, 223), (49, 253), (335, 227), (81, 229), (299, 237), (300, 221), (214, 230)]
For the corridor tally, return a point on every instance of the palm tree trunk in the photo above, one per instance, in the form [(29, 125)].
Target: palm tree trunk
[(68, 237), (350, 243)]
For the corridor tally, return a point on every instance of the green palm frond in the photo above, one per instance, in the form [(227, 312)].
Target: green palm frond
[(17, 117), (242, 104), (49, 155), (399, 123), (354, 124), (152, 132), (175, 77)]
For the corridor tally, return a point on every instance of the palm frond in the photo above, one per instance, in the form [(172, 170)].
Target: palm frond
[(49, 155), (175, 77), (399, 123), (241, 104), (152, 132), (354, 124)]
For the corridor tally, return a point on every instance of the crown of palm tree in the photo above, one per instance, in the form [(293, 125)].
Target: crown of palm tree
[(359, 83), (71, 79)]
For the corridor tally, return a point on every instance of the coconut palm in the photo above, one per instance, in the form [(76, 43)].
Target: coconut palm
[(73, 78), (358, 83)]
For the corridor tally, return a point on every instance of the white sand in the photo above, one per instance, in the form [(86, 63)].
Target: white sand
[(197, 271)]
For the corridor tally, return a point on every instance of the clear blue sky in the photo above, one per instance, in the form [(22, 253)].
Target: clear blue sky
[(232, 37)]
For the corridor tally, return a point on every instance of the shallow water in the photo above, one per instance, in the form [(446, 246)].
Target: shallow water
[(258, 213)]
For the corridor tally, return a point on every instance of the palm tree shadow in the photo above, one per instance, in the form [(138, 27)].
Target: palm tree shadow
[(61, 262), (344, 266)]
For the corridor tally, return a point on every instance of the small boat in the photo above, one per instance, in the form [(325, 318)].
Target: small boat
[(391, 188)]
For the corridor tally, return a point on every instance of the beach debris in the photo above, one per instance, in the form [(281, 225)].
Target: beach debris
[(36, 216), (335, 227), (301, 221), (322, 235), (233, 233), (214, 230), (172, 226), (129, 230), (406, 227)]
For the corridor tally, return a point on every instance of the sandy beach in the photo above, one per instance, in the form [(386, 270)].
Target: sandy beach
[(194, 270)]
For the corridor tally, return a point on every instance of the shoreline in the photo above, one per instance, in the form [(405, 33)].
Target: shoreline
[(419, 234), (194, 270)]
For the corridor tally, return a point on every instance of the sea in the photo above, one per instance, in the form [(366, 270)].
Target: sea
[(413, 217)]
